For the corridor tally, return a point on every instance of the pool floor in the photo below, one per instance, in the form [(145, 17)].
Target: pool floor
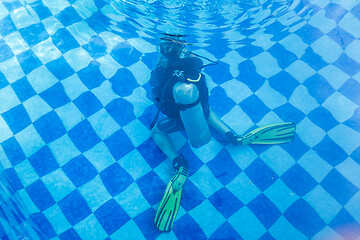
[(75, 148)]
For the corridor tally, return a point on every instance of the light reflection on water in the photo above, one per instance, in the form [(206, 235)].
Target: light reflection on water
[(199, 18)]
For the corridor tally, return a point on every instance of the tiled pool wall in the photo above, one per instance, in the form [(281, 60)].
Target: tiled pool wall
[(64, 76)]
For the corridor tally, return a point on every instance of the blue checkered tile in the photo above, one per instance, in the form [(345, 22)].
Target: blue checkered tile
[(76, 157)]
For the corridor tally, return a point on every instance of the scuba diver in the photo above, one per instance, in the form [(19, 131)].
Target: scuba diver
[(180, 92)]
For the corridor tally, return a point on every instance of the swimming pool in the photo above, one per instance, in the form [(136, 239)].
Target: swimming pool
[(77, 160)]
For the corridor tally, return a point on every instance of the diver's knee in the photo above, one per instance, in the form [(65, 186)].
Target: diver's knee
[(155, 131)]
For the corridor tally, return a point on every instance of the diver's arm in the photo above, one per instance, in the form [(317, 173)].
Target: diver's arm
[(215, 122)]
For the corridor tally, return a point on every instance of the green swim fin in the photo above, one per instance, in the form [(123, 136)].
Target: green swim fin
[(170, 203), (270, 134)]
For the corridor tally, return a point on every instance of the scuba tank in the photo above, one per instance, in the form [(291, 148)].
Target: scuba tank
[(186, 97)]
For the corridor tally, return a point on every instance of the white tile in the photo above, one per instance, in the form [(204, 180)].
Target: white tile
[(233, 58), (243, 188), (205, 181), (283, 230), (100, 156), (266, 65), (90, 227), (323, 203), (270, 97), (320, 21), (111, 40), (353, 206), (85, 8), (141, 72), (139, 100), (105, 93), (281, 195), (132, 201), (8, 99), (357, 77), (21, 18), (77, 58), (108, 66), (351, 170), (137, 132), (69, 115), (302, 100), (247, 224), (327, 233), (348, 5), (334, 76), (41, 79), (301, 23), (353, 50), (29, 140), (236, 90), (327, 48), (288, 18), (350, 24), (277, 159), (320, 3), (137, 168), (208, 151), (141, 45), (262, 39), (165, 170), (5, 132), (46, 51), (234, 38), (294, 44), (112, 12), (58, 184), (73, 86), (26, 173), (243, 156), (237, 120), (51, 25), (317, 167), (12, 70), (63, 150), (56, 6), (310, 133), (340, 106), (57, 219), (4, 161), (36, 107), (103, 124), (16, 42), (32, 208), (3, 11), (130, 230), (208, 217), (269, 118), (300, 71), (349, 143), (81, 31), (95, 193)]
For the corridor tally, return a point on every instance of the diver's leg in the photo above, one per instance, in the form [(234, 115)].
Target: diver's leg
[(164, 142), (215, 122), (180, 164)]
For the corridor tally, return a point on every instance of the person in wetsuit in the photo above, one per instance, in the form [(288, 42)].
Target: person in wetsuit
[(175, 67)]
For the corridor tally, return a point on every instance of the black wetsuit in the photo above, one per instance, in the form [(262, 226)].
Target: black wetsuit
[(163, 81)]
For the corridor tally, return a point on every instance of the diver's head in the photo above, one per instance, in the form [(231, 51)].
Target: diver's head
[(171, 48)]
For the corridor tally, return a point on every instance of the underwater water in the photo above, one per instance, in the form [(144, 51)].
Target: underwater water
[(77, 160)]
